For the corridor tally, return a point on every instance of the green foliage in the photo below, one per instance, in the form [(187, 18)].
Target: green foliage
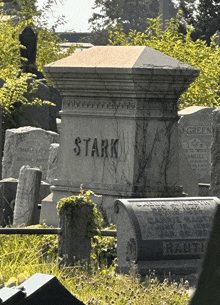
[(204, 90), (70, 208), (21, 256), (103, 252), (17, 92)]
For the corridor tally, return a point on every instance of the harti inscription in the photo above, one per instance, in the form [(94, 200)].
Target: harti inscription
[(183, 226)]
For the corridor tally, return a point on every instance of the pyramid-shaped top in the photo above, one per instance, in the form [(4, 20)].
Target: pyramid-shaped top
[(121, 57)]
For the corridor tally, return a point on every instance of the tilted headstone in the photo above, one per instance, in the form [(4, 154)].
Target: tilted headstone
[(208, 288), (166, 235), (27, 146), (197, 136), (119, 128), (27, 196)]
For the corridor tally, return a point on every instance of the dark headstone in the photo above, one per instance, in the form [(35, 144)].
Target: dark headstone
[(208, 288), (39, 289), (165, 235), (28, 39), (10, 296), (46, 289)]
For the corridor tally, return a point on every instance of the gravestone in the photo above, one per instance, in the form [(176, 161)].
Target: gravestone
[(208, 288), (52, 163), (39, 289), (166, 235), (27, 196), (119, 128), (43, 116), (27, 146), (196, 135), (74, 246), (8, 188)]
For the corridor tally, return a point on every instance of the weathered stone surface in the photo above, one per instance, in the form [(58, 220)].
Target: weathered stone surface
[(119, 122), (188, 177), (74, 247), (27, 196), (27, 146), (172, 233), (52, 172), (197, 136), (8, 188), (215, 151)]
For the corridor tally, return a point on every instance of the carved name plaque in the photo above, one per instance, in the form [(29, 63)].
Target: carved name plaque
[(176, 228)]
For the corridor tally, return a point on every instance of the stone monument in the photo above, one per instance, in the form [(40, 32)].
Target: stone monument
[(196, 135), (119, 131)]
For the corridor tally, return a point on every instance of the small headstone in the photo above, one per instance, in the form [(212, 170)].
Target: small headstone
[(165, 235), (197, 136), (8, 188), (52, 163), (27, 196), (74, 246), (27, 146)]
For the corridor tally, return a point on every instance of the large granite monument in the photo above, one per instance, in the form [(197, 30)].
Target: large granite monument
[(119, 130)]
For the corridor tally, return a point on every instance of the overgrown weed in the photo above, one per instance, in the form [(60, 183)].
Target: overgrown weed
[(21, 256)]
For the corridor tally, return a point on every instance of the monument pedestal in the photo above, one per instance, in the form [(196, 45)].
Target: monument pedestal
[(119, 134)]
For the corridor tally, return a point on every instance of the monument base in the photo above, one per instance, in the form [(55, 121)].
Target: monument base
[(166, 269), (104, 199)]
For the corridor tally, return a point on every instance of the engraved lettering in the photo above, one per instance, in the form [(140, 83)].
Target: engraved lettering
[(104, 148), (95, 148), (114, 148), (183, 247), (86, 147), (77, 149)]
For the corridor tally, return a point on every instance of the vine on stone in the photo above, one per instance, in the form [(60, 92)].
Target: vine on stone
[(70, 208)]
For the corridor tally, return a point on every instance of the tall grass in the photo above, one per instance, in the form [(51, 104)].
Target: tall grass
[(21, 256)]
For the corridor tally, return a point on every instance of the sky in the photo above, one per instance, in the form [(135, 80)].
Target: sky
[(76, 12)]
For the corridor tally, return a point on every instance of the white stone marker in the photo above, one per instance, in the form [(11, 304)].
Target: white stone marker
[(27, 145), (27, 196)]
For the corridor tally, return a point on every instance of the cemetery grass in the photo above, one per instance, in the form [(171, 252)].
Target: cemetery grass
[(21, 256)]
